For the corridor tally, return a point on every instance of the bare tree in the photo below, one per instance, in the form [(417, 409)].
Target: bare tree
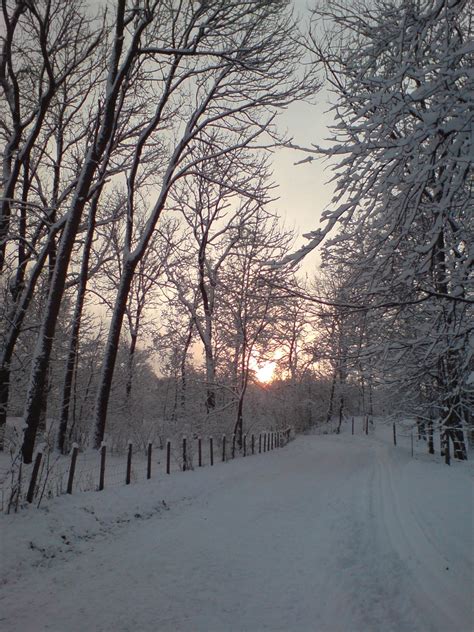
[(224, 72), (403, 197), (216, 206), (124, 50), (252, 306), (46, 75)]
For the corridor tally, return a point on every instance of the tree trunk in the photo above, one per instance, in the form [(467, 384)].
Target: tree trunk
[(131, 357), (331, 397), (69, 375), (76, 325), (341, 412), (460, 451), (371, 401), (448, 375), (15, 319), (362, 391), (210, 373), (40, 363), (239, 424), (183, 365), (4, 390), (110, 354), (430, 437)]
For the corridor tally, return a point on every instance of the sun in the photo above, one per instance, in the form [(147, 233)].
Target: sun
[(264, 371)]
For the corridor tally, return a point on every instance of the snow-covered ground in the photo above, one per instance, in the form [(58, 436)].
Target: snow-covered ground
[(331, 533)]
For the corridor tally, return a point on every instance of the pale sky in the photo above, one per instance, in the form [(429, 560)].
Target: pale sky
[(304, 190)]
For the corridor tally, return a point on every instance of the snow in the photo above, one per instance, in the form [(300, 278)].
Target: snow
[(331, 533)]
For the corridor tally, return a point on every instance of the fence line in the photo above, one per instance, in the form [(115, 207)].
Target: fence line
[(434, 436), (52, 475), (423, 433), (447, 442)]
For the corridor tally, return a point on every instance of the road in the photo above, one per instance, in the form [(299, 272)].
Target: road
[(329, 534)]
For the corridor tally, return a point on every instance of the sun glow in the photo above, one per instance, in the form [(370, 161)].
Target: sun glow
[(263, 370)]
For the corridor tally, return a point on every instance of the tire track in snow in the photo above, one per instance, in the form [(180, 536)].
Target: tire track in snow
[(314, 538), (439, 596), (372, 577)]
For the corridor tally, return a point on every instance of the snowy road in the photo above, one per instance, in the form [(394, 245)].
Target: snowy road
[(329, 534)]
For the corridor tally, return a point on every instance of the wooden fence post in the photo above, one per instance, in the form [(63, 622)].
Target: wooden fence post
[(245, 445), (148, 460), (168, 456), (367, 424), (260, 443), (352, 425), (211, 450), (394, 434), (253, 444), (129, 463), (199, 452), (184, 455), (264, 441), (223, 449), (103, 452), (34, 475), (233, 446), (72, 468)]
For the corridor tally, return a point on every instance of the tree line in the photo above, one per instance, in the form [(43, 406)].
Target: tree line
[(136, 241)]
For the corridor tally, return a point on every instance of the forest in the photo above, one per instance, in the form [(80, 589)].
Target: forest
[(149, 290)]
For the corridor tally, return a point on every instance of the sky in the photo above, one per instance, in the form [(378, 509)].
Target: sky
[(304, 190)]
